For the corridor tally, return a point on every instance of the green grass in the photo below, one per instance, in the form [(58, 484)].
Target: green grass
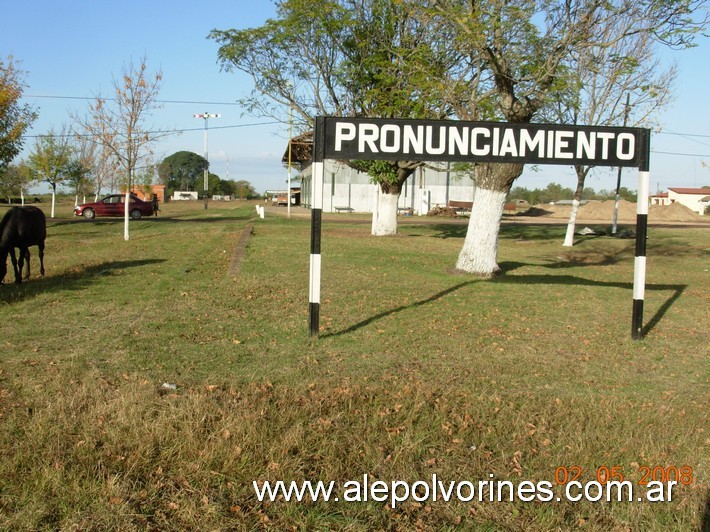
[(418, 370)]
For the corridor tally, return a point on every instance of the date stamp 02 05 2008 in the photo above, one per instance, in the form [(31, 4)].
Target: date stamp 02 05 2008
[(682, 475)]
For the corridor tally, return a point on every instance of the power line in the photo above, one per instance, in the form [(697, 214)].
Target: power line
[(683, 134), (683, 154), (186, 102), (175, 131), (189, 102)]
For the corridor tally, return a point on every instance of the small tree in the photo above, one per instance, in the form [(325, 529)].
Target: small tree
[(118, 123), (50, 159), (9, 182), (610, 85), (77, 177), (244, 189)]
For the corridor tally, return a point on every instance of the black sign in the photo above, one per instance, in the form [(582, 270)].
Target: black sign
[(443, 140)]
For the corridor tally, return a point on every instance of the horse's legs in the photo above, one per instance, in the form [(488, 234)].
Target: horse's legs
[(27, 258), (3, 265), (41, 258), (13, 258)]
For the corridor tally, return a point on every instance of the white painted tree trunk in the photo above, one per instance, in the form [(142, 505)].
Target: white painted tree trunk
[(480, 249), (22, 196), (54, 194), (127, 199), (384, 215), (569, 237)]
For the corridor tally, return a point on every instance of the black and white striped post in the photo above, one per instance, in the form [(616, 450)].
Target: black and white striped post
[(316, 214), (641, 233)]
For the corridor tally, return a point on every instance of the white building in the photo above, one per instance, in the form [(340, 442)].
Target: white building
[(184, 195), (347, 190), (696, 199)]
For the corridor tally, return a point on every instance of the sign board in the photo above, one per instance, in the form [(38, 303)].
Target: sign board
[(342, 138), (444, 140)]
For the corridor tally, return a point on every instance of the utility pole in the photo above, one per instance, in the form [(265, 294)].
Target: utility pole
[(290, 138), (206, 117), (618, 175)]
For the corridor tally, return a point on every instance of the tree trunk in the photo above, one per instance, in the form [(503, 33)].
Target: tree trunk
[(384, 210), (127, 199), (569, 236), (581, 176), (480, 248), (54, 195), (384, 213)]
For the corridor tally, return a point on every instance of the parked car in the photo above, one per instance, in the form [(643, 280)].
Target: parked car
[(114, 205)]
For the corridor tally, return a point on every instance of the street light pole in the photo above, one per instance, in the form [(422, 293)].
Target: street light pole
[(206, 117), (290, 138)]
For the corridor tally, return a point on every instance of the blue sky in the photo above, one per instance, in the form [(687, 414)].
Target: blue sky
[(72, 49)]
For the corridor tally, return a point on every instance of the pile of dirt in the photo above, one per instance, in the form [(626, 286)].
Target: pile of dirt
[(603, 211), (536, 211), (675, 212)]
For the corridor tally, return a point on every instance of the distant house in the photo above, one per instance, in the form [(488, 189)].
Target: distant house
[(661, 198), (347, 190), (696, 199), (185, 195)]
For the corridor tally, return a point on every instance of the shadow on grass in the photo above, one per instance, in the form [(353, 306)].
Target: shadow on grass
[(73, 280), (386, 313), (553, 280), (516, 232), (568, 280), (153, 219)]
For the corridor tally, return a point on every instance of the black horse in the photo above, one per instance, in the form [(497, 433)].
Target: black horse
[(21, 227)]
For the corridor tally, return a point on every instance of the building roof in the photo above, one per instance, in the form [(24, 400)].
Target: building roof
[(301, 148), (660, 195), (692, 191)]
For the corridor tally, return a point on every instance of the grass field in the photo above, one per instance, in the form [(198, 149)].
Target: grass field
[(418, 371)]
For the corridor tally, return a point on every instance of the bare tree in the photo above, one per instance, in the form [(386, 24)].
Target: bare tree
[(118, 123), (619, 83)]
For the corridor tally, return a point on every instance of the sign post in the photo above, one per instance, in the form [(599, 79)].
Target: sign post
[(441, 140), (641, 231)]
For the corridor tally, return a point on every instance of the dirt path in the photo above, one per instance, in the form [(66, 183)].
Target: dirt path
[(240, 249)]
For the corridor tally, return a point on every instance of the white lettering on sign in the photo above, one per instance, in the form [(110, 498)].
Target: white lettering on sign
[(343, 132), (532, 143), (628, 140), (373, 138)]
